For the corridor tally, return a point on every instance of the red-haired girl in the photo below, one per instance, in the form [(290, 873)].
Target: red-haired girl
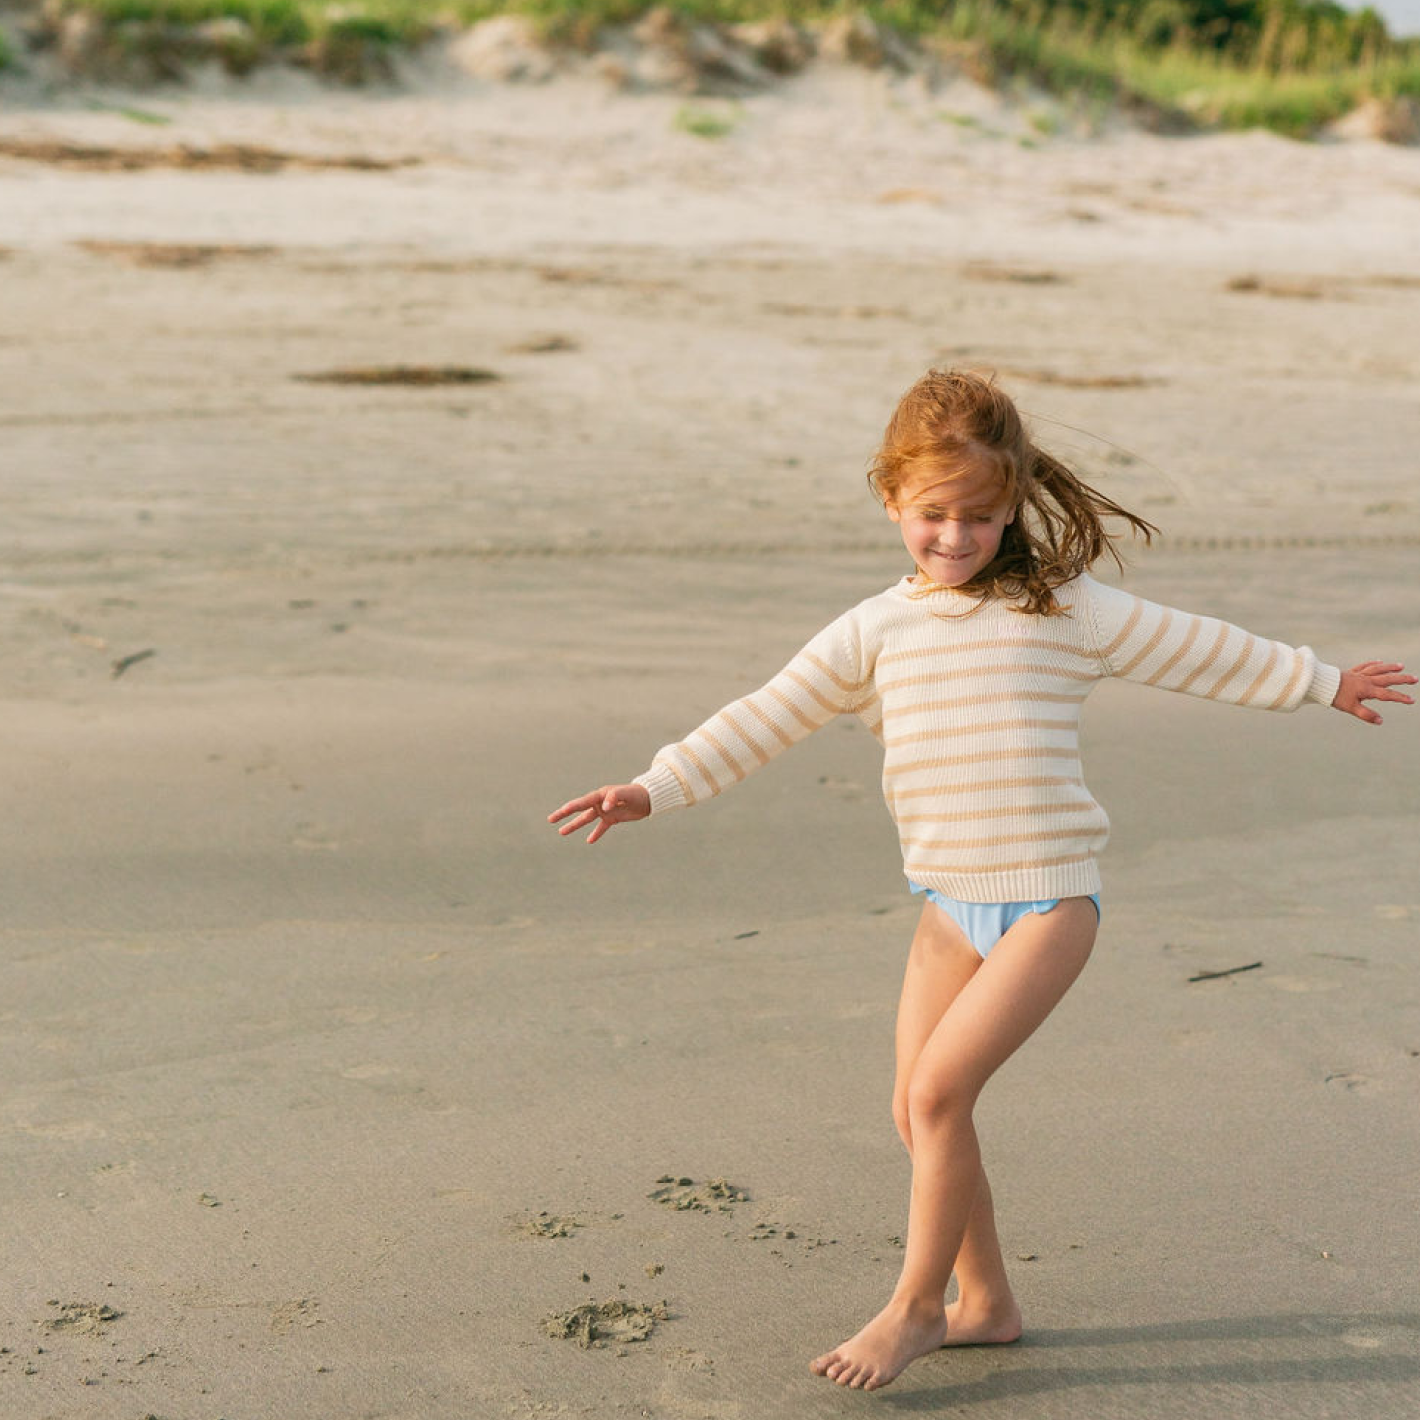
[(971, 672)]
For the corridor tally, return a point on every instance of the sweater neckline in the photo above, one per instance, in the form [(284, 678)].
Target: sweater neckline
[(940, 599)]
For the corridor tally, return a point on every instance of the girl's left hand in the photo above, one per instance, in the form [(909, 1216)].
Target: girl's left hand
[(1372, 680)]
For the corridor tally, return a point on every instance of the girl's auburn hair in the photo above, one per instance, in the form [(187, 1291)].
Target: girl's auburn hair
[(953, 423)]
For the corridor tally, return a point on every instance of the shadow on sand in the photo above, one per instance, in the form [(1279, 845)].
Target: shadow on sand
[(1339, 1350)]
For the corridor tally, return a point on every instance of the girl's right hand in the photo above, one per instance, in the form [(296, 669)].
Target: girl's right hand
[(612, 803)]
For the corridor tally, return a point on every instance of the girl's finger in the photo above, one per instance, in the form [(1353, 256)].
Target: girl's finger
[(581, 821), (1382, 685), (570, 807)]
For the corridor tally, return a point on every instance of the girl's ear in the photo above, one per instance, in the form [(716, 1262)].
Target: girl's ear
[(893, 511), (1010, 517)]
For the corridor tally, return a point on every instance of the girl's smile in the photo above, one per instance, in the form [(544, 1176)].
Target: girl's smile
[(952, 527)]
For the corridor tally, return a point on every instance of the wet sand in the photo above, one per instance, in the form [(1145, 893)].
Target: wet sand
[(335, 1078)]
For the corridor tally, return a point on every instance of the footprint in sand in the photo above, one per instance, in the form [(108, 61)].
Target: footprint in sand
[(81, 1318), (687, 1196), (290, 1315), (547, 1225), (599, 1324)]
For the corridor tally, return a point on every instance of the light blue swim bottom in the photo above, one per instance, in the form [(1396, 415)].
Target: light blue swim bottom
[(985, 923)]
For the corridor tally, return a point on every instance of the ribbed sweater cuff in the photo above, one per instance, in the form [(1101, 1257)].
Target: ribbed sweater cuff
[(664, 787), (1326, 681)]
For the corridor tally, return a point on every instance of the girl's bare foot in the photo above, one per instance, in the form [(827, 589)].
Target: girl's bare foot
[(897, 1336), (981, 1326)]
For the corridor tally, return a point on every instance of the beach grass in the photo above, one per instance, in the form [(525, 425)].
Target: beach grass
[(703, 122), (1287, 65)]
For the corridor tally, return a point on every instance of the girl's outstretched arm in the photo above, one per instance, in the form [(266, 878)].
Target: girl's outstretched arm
[(1371, 680), (611, 804)]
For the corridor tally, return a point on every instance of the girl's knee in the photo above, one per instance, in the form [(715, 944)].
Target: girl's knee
[(902, 1118), (937, 1097)]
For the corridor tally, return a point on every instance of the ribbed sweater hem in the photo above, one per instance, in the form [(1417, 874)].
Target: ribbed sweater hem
[(1326, 681), (1022, 885), (666, 791)]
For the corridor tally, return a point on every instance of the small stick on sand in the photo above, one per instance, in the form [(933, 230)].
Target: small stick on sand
[(1231, 971), (123, 663)]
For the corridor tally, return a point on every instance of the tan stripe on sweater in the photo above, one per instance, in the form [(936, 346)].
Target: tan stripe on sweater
[(1195, 625), (983, 756), (977, 648), (1126, 633), (1208, 660), (679, 779), (811, 691), (791, 707), (1161, 632), (1238, 664), (768, 721), (699, 764), (999, 727), (981, 786), (1252, 690), (1003, 811), (735, 767), (755, 750), (828, 671), (985, 869), (1051, 835), (1291, 685), (958, 702), (980, 672)]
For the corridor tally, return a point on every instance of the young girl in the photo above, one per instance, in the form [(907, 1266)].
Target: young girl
[(972, 672)]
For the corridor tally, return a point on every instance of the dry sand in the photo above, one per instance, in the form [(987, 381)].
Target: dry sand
[(333, 1078)]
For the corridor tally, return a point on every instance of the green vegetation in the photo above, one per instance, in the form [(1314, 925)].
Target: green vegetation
[(6, 58), (704, 122), (1288, 65), (282, 22)]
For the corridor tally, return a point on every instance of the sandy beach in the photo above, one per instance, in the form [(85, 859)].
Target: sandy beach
[(334, 1078)]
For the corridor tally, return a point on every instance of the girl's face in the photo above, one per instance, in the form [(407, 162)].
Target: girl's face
[(951, 526)]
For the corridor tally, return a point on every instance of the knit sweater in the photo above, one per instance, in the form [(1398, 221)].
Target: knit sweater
[(977, 706)]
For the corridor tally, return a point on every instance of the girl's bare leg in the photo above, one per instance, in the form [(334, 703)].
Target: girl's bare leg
[(998, 1008), (940, 963)]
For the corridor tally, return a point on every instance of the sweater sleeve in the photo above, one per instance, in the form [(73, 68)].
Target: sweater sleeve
[(825, 679), (1141, 641)]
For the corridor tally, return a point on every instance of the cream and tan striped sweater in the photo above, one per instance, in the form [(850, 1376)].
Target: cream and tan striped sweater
[(978, 712)]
